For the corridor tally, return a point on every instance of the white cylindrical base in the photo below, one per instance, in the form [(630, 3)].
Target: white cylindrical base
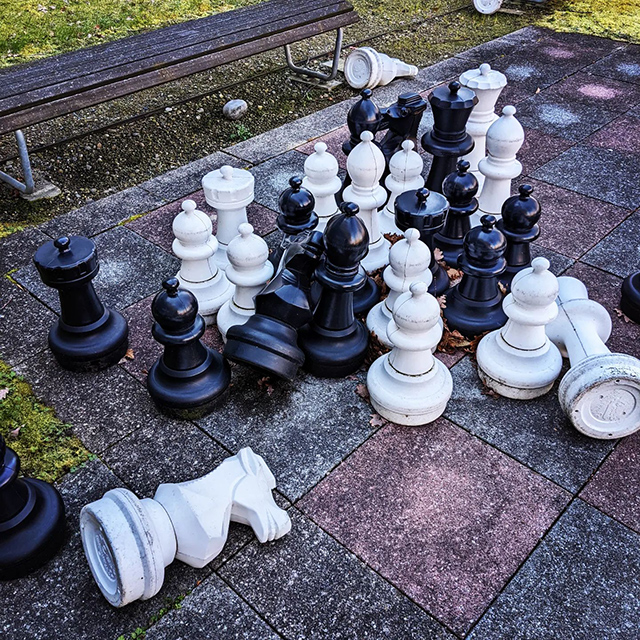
[(211, 295), (230, 315), (378, 255), (387, 222)]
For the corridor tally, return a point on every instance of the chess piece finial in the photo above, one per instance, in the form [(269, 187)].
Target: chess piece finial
[(321, 179), (367, 68)]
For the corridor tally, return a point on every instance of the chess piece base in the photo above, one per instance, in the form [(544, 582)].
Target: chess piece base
[(630, 301), (378, 255), (440, 283), (366, 298), (387, 222), (231, 315), (377, 321), (471, 318)]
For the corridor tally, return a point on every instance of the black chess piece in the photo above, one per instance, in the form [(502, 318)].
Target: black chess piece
[(297, 218), (401, 121), (426, 212), (334, 342), (448, 140), (364, 115), (519, 224), (32, 521), (189, 380), (269, 339), (630, 300), (460, 189), (88, 336), (474, 306)]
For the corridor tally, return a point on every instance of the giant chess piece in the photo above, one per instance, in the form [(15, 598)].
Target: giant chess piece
[(504, 139), (427, 212), (408, 385), (32, 522), (229, 191), (519, 223), (401, 121), (408, 263), (250, 270), (519, 361), (367, 68), (196, 247), (297, 218), (128, 542), (269, 339), (88, 336), (487, 84), (630, 298), (365, 165), (405, 174), (364, 115), (321, 178), (189, 380), (475, 304), (459, 188), (334, 342), (600, 393), (448, 139)]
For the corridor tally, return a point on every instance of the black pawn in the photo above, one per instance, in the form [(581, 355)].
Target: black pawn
[(630, 301), (460, 189), (519, 223), (364, 115), (448, 140), (297, 218), (401, 120), (475, 305), (32, 522), (335, 343), (188, 380), (269, 339), (426, 212), (88, 336)]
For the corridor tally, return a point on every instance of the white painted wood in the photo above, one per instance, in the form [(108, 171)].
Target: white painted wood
[(366, 68), (321, 178)]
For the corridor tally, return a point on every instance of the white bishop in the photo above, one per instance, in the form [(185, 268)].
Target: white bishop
[(321, 178)]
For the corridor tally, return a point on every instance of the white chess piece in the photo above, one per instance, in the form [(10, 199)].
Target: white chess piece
[(408, 385), (519, 361), (487, 84), (366, 68), (249, 270), (199, 273), (229, 191), (405, 174), (365, 165), (601, 392), (504, 139), (128, 542), (321, 178)]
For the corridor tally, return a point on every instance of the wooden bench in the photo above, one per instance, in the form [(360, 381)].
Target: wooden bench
[(66, 83)]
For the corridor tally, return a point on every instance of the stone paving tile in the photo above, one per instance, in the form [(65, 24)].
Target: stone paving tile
[(534, 432), (302, 428), (306, 585), (272, 177), (580, 583), (334, 141), (559, 263), (417, 497), (501, 47), (18, 249), (444, 71), (623, 134), (538, 148), (622, 65)]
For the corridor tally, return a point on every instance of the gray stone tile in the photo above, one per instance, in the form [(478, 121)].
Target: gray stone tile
[(449, 69), (309, 586), (559, 263), (534, 432), (272, 177), (500, 47), (18, 248), (623, 64), (580, 583)]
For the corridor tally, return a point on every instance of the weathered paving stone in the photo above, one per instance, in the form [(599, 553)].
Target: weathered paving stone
[(580, 583), (500, 47), (559, 263), (623, 64), (443, 516), (623, 134), (309, 586), (18, 249), (334, 141), (534, 432), (272, 177), (538, 148)]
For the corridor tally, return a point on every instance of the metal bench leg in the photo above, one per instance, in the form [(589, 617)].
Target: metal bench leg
[(317, 74)]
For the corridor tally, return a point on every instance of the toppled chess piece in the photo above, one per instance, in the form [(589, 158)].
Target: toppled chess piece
[(408, 263), (321, 179), (32, 522), (189, 380), (600, 394), (366, 68), (196, 247), (88, 336), (460, 189), (249, 270), (630, 297), (334, 342), (448, 139), (519, 361), (401, 121), (128, 542), (269, 339), (229, 191), (364, 115), (409, 386), (475, 304)]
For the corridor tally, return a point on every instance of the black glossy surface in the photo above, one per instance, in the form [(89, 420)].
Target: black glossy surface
[(364, 115), (630, 300)]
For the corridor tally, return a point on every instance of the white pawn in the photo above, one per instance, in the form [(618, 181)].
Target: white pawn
[(504, 139), (405, 174), (199, 273), (249, 269), (408, 385), (408, 263), (365, 165), (229, 191), (519, 361), (487, 83), (321, 178)]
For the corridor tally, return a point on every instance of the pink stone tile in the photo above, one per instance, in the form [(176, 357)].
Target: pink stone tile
[(623, 134), (442, 515), (539, 148), (333, 140), (449, 359)]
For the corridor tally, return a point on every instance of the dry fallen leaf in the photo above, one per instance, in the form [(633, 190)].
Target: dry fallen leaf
[(376, 349), (362, 391), (14, 433), (265, 385), (393, 237), (442, 301), (455, 275), (377, 421), (502, 288), (438, 255), (129, 354), (3, 393), (618, 313)]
